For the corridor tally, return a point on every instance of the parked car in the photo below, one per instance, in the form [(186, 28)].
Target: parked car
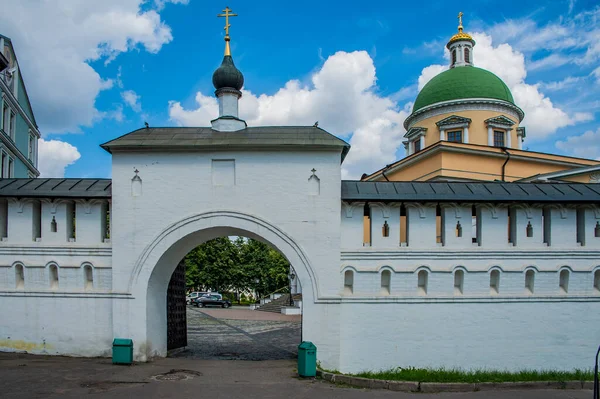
[(211, 300), (193, 295)]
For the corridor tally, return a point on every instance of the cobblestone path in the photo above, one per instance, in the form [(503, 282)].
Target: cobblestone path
[(212, 335)]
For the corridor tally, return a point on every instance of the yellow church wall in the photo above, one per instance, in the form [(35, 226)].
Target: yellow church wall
[(477, 129), (583, 178), (420, 170), (482, 163)]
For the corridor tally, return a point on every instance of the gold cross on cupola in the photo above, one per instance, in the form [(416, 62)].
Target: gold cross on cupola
[(460, 26), (227, 13)]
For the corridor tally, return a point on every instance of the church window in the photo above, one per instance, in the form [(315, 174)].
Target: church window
[(546, 224), (498, 138), (3, 166), (564, 281), (31, 147), (597, 280), (455, 136), (580, 224), (439, 221), (529, 281), (19, 277), (89, 277), (386, 279), (422, 278), (453, 56), (459, 279), (11, 167), (467, 55), (53, 225), (348, 282), (495, 282), (417, 145), (53, 277)]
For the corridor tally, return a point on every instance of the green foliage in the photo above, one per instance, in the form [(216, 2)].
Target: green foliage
[(236, 266), (472, 376)]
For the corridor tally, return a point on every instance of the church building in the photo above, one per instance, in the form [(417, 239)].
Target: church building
[(466, 126)]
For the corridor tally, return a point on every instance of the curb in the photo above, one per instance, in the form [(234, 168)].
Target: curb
[(433, 387)]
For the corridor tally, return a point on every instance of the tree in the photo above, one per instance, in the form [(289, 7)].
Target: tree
[(236, 266)]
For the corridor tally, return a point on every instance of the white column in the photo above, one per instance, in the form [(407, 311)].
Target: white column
[(407, 148), (466, 135), (508, 138), (520, 141), (442, 135), (422, 138), (490, 136)]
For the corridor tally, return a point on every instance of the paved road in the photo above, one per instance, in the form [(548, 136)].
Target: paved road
[(241, 334), (32, 377)]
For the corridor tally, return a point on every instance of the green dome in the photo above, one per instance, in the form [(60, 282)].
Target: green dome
[(462, 82)]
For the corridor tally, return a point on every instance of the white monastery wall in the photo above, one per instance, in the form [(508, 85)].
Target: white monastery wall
[(480, 320), (521, 292), (70, 315)]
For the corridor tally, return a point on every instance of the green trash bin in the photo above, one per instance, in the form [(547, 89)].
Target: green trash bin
[(122, 351), (307, 359)]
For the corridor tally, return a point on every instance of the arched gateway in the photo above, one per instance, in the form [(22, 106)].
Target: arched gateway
[(155, 266)]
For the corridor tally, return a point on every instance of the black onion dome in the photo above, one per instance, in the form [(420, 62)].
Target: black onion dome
[(227, 75)]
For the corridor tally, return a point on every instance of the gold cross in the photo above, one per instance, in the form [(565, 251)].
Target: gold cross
[(460, 27), (227, 14)]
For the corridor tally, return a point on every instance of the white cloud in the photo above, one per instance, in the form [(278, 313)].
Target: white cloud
[(429, 73), (542, 117), (566, 83), (160, 4), (342, 97), (132, 100), (54, 156), (596, 74), (55, 40), (586, 145)]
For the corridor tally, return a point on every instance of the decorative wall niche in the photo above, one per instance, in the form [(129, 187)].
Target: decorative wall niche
[(314, 184), (422, 278), (136, 184), (529, 281), (19, 277), (459, 280), (564, 281), (386, 282), (348, 282), (495, 282), (88, 274), (53, 270)]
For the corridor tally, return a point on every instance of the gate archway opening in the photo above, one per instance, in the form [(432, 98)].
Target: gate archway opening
[(243, 303), (155, 266)]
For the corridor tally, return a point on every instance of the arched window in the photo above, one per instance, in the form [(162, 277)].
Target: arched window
[(19, 277), (422, 282), (495, 282), (53, 277), (453, 56), (564, 281), (348, 282), (529, 281), (88, 273), (597, 280), (386, 280), (459, 280), (467, 55)]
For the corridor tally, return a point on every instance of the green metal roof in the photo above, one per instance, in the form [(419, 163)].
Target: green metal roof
[(461, 83)]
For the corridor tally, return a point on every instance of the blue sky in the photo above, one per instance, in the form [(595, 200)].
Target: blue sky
[(97, 71)]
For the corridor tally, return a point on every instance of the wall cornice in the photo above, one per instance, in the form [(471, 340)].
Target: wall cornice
[(471, 104)]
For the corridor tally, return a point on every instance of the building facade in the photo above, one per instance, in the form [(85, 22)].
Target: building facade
[(513, 282), (466, 126), (19, 132)]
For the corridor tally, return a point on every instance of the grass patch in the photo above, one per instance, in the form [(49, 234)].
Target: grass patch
[(458, 375)]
